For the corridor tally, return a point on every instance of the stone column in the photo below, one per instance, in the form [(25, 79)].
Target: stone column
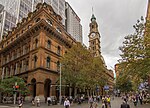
[(22, 66), (6, 71), (70, 91), (11, 70), (3, 70), (16, 69)]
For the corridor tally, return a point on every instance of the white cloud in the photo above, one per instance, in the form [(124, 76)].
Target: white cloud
[(115, 19)]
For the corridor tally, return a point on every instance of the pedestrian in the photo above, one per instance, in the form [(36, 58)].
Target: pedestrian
[(108, 101), (33, 102), (141, 99), (91, 102), (105, 101), (38, 101), (49, 100), (20, 105), (125, 105), (103, 105), (96, 105), (67, 103), (135, 101), (20, 102)]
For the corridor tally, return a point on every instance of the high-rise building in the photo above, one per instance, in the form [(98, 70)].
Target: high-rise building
[(7, 21), (58, 6), (13, 12), (73, 25), (19, 9)]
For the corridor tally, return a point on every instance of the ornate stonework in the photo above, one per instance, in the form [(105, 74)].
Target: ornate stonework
[(33, 49)]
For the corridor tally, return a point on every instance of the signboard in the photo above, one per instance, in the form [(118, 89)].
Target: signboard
[(106, 87)]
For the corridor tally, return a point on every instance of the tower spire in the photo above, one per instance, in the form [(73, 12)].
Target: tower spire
[(93, 17)]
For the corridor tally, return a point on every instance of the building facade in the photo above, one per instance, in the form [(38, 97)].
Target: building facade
[(33, 49), (73, 25)]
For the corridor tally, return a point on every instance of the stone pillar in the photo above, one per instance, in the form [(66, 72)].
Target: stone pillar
[(22, 66), (6, 71), (11, 70), (70, 91), (16, 69), (3, 70), (75, 91)]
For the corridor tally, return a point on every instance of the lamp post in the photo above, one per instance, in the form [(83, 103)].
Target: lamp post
[(60, 86)]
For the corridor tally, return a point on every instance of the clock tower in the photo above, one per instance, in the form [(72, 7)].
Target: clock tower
[(94, 38)]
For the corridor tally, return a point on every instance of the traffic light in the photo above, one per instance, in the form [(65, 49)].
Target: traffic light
[(15, 88)]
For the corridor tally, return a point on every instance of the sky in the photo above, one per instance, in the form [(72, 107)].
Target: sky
[(115, 19)]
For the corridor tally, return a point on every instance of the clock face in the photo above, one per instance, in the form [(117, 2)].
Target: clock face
[(92, 34)]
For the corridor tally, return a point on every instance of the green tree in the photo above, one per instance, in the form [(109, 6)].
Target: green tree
[(73, 64), (136, 53), (7, 85), (80, 69)]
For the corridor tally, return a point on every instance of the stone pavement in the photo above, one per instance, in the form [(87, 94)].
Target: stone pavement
[(114, 103)]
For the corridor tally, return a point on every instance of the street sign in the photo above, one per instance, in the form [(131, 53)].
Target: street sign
[(106, 87)]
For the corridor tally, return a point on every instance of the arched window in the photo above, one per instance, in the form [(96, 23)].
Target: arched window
[(48, 62), (49, 44), (58, 66), (36, 43), (58, 50), (35, 61)]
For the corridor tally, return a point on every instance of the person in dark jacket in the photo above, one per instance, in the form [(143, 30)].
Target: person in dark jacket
[(125, 105)]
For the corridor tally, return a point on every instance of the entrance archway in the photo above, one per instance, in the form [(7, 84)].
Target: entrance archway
[(33, 87), (47, 85)]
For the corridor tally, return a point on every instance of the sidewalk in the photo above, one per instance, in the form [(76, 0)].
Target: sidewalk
[(115, 104)]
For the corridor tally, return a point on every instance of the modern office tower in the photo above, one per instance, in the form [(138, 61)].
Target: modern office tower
[(73, 25), (58, 6), (7, 21), (12, 13)]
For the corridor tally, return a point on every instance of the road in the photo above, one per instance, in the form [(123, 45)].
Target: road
[(114, 103)]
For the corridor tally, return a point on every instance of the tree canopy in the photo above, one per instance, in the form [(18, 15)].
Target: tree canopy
[(135, 62), (81, 69), (7, 85)]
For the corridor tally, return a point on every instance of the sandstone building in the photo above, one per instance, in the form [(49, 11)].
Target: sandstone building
[(33, 49)]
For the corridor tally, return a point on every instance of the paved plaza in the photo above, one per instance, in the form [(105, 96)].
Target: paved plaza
[(115, 104)]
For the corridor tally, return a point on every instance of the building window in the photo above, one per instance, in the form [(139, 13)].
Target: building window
[(58, 66), (58, 30), (36, 43), (48, 62), (37, 20), (92, 26), (58, 50), (48, 44), (49, 22), (35, 61)]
